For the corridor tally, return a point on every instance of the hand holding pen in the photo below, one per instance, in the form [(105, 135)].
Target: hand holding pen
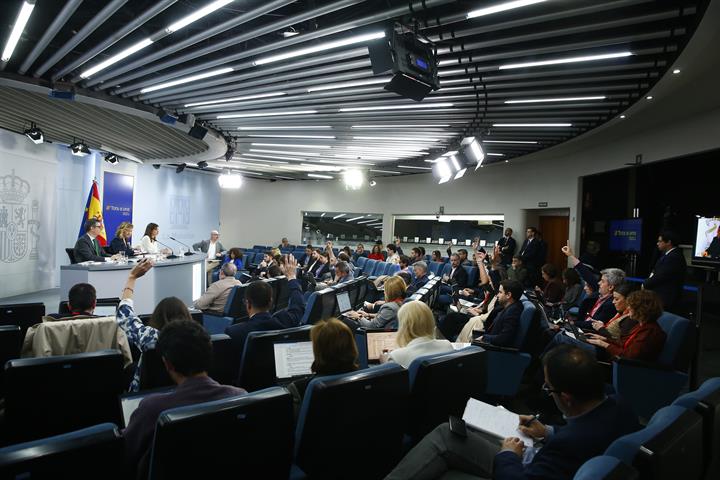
[(531, 426)]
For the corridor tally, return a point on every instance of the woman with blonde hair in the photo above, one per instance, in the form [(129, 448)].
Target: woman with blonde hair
[(121, 242), (387, 315), (416, 335)]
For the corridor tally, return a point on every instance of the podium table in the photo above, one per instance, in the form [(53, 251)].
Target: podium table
[(182, 277)]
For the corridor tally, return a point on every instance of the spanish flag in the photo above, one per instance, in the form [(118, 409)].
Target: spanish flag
[(93, 209)]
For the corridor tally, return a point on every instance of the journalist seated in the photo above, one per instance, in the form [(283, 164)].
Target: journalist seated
[(594, 421), (215, 297), (186, 351)]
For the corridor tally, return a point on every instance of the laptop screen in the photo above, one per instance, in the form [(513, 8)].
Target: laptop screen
[(129, 402), (379, 341), (293, 359), (343, 300), (105, 310)]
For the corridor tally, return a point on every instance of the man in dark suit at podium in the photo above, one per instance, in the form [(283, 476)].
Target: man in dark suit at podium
[(668, 275), (87, 247)]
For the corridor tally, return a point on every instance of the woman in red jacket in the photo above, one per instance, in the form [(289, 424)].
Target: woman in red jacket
[(646, 340), (376, 254)]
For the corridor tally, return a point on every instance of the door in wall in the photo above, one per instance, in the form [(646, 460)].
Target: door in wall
[(555, 231)]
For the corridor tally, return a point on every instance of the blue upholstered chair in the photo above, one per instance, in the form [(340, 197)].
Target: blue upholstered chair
[(706, 402), (440, 385), (605, 467), (435, 267), (669, 447), (223, 438), (343, 413), (649, 386), (234, 309), (89, 453)]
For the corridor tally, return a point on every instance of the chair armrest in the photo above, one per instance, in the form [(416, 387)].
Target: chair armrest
[(607, 371), (495, 348), (631, 362)]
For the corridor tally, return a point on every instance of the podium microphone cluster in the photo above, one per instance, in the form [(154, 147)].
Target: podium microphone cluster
[(189, 252)]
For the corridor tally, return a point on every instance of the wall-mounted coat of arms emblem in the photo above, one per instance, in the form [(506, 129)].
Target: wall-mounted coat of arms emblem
[(19, 224)]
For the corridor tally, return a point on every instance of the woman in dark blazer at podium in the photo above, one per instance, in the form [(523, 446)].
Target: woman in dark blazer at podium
[(121, 242)]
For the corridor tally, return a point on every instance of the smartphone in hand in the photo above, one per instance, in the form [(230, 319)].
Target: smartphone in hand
[(457, 426)]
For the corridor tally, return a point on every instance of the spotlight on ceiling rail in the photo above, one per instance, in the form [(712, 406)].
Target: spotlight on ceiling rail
[(111, 158), (202, 164), (79, 149), (180, 168), (35, 134)]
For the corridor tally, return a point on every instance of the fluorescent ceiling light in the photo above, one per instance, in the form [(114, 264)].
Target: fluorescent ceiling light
[(263, 158), (197, 15), (248, 164), (368, 221), (338, 216), (510, 141), (236, 99), (357, 83), (495, 154), (357, 218), (397, 107), (415, 168), (282, 152), (266, 114), (347, 163), (450, 154), (192, 78), (400, 126), (20, 22), (385, 171), (323, 214), (557, 61), (501, 8), (116, 58), (532, 124), (290, 145), (284, 178), (330, 137), (565, 99), (400, 139), (289, 127), (319, 48)]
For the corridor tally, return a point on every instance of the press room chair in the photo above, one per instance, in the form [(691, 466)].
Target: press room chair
[(440, 385), (605, 467), (347, 413), (706, 402), (257, 366), (54, 395), (647, 386), (10, 344), (90, 453), (669, 447), (222, 439)]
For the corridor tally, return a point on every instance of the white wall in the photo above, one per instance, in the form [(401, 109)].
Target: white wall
[(262, 212)]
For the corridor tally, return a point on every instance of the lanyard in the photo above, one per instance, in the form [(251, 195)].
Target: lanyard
[(631, 337)]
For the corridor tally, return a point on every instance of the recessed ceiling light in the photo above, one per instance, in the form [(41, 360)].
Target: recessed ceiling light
[(676, 71), (649, 97), (622, 116), (507, 161), (191, 78)]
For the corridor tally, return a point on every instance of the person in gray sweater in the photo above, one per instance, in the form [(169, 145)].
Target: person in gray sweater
[(386, 317)]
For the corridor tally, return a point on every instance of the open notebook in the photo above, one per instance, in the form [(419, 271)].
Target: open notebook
[(495, 421)]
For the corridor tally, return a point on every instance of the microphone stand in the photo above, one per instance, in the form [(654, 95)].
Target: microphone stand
[(172, 253), (189, 252)]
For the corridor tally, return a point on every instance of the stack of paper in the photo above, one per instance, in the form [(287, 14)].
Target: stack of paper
[(496, 421)]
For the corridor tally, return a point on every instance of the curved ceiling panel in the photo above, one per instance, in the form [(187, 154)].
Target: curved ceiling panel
[(290, 83)]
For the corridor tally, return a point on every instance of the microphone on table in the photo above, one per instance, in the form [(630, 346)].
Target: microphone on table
[(189, 252), (172, 253)]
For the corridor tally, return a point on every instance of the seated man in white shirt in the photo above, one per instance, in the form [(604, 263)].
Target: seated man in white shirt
[(216, 296)]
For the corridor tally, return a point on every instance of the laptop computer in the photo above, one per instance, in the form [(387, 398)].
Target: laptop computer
[(577, 334), (293, 360), (130, 401), (343, 302), (377, 341)]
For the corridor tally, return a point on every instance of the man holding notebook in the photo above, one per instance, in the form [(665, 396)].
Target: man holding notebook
[(573, 379)]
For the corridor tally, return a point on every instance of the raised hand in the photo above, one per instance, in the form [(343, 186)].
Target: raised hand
[(289, 267)]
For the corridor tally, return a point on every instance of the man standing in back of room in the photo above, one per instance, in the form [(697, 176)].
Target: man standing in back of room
[(507, 246), (531, 253), (668, 275)]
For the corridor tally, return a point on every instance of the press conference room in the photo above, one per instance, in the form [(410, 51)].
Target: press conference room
[(346, 239)]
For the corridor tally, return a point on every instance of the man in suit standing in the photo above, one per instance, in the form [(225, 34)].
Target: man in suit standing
[(87, 247), (531, 253), (668, 275), (507, 246)]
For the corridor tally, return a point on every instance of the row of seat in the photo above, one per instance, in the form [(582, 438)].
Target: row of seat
[(680, 441), (375, 268), (256, 431)]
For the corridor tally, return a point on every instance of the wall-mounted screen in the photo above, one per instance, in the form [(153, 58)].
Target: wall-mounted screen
[(707, 241)]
